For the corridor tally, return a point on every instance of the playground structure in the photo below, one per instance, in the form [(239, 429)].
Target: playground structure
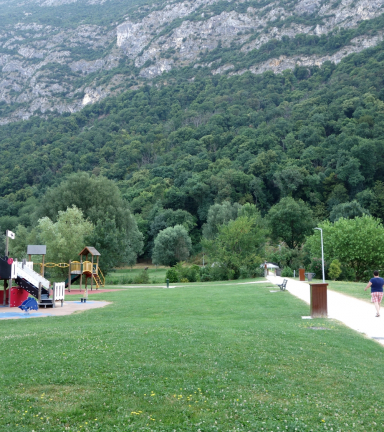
[(32, 283), (28, 283), (78, 269), (83, 268), (88, 269)]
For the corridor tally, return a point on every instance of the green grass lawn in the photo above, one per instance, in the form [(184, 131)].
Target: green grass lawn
[(353, 289), (214, 357), (156, 275)]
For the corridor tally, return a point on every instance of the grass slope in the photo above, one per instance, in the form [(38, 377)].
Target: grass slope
[(212, 358)]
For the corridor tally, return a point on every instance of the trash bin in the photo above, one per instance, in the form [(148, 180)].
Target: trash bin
[(278, 272), (319, 305)]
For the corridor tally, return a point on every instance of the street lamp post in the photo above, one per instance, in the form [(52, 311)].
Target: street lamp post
[(322, 252)]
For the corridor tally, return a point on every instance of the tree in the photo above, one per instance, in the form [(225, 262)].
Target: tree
[(347, 210), (23, 238), (168, 218), (100, 201), (219, 214), (116, 247), (357, 243), (238, 244), (290, 221), (97, 197), (172, 245), (66, 237)]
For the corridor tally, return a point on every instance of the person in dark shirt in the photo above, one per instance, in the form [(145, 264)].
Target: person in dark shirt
[(376, 284)]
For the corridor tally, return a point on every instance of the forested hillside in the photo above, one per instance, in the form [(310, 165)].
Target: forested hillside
[(195, 149), (313, 134)]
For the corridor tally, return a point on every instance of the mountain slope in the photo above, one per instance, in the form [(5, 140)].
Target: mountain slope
[(60, 55)]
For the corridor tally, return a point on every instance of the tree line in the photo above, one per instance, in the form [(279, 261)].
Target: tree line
[(169, 154)]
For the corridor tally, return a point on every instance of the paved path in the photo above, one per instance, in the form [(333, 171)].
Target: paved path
[(356, 314)]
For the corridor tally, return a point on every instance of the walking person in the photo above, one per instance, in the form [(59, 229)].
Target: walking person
[(376, 284)]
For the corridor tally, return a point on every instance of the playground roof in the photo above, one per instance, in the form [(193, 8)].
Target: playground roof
[(36, 250), (89, 250)]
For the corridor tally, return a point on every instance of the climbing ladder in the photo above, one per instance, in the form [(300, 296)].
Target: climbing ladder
[(99, 278)]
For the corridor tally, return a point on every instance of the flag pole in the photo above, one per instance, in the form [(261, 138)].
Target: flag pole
[(6, 256), (8, 234), (6, 243)]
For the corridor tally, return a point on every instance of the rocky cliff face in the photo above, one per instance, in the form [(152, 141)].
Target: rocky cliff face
[(48, 68)]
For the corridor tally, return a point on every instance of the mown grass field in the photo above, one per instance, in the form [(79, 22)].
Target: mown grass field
[(214, 357), (122, 275)]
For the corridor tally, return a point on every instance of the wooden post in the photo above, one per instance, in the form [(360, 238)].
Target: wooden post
[(5, 291), (54, 294), (42, 267), (92, 274), (81, 271), (69, 276), (97, 269), (302, 274), (86, 287), (9, 291), (29, 258), (319, 306), (39, 294)]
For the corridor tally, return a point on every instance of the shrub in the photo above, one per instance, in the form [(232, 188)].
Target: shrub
[(334, 269), (172, 275), (287, 272), (141, 278), (205, 274), (347, 273)]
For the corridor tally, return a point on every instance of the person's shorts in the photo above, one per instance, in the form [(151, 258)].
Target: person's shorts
[(376, 297)]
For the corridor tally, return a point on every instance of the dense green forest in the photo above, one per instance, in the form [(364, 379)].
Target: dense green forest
[(313, 134)]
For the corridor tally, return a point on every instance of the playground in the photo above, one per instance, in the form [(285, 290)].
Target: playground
[(213, 356), (33, 290)]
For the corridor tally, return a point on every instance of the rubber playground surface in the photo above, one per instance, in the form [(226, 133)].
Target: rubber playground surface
[(68, 308)]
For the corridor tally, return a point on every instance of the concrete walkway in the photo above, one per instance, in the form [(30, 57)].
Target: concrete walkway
[(356, 314)]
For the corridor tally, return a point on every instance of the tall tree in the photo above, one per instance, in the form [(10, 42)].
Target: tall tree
[(64, 238), (100, 201), (290, 221), (357, 243), (239, 243), (219, 214), (172, 245)]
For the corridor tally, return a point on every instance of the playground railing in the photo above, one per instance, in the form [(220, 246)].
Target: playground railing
[(87, 267), (76, 266), (58, 292)]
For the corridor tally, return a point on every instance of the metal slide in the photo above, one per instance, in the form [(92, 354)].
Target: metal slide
[(74, 278), (29, 280)]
